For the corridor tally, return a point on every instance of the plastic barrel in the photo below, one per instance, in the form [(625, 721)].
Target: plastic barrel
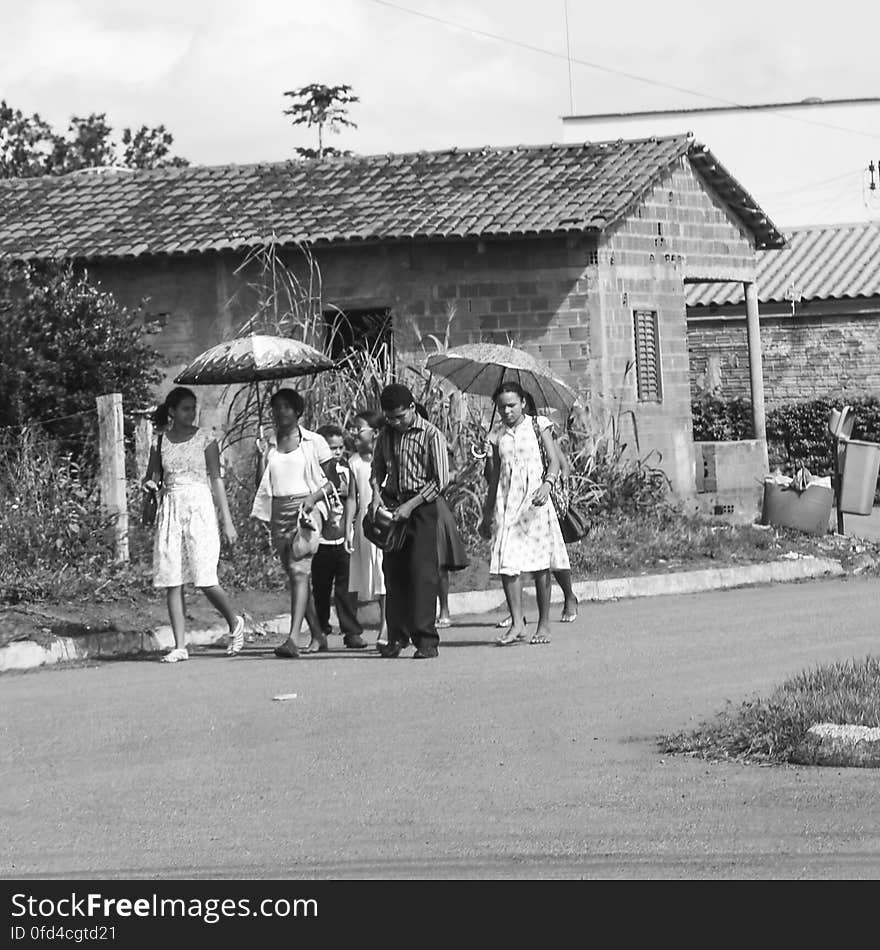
[(807, 511), (861, 463)]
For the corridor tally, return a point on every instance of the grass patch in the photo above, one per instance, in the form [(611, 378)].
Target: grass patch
[(772, 729)]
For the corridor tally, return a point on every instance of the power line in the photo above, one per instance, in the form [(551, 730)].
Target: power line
[(813, 184), (607, 69)]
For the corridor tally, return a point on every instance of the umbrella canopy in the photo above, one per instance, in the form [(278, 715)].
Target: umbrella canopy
[(249, 359), (480, 368)]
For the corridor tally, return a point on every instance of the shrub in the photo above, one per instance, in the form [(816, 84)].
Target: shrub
[(62, 343)]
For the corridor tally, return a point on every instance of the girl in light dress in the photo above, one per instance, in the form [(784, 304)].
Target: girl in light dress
[(365, 571), (186, 545), (518, 515)]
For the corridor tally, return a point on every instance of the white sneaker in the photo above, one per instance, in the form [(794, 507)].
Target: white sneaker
[(236, 641), (177, 655)]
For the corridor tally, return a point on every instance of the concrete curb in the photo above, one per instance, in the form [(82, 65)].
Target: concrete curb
[(840, 746), (26, 654)]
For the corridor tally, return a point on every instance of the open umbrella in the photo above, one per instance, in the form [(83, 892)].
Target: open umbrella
[(253, 359), (480, 368), (250, 359)]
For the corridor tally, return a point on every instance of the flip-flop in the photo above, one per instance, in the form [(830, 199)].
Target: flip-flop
[(444, 622), (509, 638), (286, 653)]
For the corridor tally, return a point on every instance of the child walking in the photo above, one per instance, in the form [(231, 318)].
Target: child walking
[(186, 546), (366, 580), (331, 563)]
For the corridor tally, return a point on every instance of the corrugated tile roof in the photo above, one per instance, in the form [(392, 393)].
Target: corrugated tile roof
[(818, 263), (468, 193)]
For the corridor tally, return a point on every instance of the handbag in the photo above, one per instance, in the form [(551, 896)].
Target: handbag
[(574, 524), (559, 493), (150, 503), (383, 531)]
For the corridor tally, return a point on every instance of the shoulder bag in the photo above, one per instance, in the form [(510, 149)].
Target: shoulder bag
[(383, 531), (150, 504), (559, 489)]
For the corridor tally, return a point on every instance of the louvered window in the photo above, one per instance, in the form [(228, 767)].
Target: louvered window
[(647, 345)]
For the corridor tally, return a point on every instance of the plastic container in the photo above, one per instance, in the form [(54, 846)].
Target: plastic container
[(806, 511), (861, 464)]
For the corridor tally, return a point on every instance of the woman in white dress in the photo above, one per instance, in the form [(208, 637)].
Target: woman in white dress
[(186, 546), (365, 575), (518, 515)]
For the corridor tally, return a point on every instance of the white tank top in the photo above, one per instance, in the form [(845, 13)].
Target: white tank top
[(287, 471)]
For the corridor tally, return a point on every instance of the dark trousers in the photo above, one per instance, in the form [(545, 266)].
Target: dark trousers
[(412, 582), (330, 571)]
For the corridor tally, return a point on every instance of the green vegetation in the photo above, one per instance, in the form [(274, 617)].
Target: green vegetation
[(773, 729)]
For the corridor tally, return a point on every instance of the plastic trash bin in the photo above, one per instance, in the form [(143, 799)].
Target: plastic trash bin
[(807, 511), (861, 464)]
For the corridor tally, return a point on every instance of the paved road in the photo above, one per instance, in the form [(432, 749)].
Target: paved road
[(522, 762)]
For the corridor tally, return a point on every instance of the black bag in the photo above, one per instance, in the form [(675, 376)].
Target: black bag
[(150, 504), (382, 531), (574, 525)]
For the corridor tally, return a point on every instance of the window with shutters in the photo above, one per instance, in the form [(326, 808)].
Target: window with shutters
[(647, 346)]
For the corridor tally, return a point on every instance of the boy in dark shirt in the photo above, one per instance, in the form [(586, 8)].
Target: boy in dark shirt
[(330, 564)]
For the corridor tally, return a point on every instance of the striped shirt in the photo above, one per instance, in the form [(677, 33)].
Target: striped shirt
[(415, 462)]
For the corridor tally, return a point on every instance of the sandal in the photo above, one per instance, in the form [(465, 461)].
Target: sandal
[(177, 655), (317, 644), (236, 635), (506, 621), (506, 639)]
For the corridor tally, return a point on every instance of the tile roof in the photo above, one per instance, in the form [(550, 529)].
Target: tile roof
[(818, 263), (469, 193)]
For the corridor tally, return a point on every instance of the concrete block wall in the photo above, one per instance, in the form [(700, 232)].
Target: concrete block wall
[(681, 230), (805, 356)]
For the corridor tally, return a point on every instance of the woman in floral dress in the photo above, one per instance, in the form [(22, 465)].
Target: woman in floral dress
[(518, 515), (186, 546)]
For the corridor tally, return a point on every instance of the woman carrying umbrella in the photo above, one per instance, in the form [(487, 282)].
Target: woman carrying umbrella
[(292, 498), (522, 523)]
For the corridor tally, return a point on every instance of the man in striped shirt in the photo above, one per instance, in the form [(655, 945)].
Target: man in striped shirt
[(410, 469)]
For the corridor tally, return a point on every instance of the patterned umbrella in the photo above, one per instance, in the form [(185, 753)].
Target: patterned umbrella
[(480, 368), (249, 359)]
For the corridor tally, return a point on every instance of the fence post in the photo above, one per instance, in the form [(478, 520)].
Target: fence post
[(143, 436), (111, 453)]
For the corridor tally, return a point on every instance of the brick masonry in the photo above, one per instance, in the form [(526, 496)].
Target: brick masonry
[(569, 301), (828, 347)]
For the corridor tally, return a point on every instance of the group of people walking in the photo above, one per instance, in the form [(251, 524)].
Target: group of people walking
[(313, 498)]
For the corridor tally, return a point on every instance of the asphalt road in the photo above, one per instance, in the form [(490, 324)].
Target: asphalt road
[(523, 762)]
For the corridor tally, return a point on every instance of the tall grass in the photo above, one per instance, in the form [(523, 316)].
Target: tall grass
[(771, 729)]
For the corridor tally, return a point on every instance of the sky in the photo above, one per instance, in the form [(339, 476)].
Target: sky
[(495, 72)]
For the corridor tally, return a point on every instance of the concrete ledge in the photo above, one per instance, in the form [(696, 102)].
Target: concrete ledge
[(845, 746), (26, 654)]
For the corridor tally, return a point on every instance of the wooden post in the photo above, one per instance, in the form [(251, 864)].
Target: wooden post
[(756, 364), (111, 452), (143, 436)]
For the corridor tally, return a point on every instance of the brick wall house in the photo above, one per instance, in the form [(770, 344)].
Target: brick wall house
[(577, 253), (820, 320)]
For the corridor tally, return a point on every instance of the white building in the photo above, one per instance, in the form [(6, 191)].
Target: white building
[(805, 162)]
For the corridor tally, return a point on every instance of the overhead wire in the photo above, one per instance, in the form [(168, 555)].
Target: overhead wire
[(608, 69)]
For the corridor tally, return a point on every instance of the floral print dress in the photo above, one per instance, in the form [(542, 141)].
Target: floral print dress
[(526, 538), (186, 547)]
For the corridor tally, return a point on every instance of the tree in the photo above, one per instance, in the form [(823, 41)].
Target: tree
[(324, 107), (63, 342), (29, 147)]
